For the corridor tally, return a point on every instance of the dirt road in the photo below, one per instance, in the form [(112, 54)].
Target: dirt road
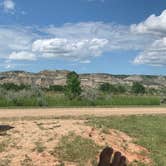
[(57, 112)]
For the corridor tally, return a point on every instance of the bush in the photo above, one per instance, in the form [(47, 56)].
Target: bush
[(105, 87), (31, 97), (90, 94), (56, 88), (138, 88), (163, 101), (121, 89), (14, 87), (109, 88)]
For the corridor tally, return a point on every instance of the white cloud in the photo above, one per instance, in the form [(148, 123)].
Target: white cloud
[(85, 40), (153, 55), (120, 37), (85, 61), (155, 25), (75, 42), (9, 64), (15, 39), (69, 48), (23, 55), (9, 5)]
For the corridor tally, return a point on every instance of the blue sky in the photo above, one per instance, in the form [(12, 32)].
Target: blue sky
[(106, 36)]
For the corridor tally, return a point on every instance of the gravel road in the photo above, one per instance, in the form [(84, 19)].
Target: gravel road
[(57, 112)]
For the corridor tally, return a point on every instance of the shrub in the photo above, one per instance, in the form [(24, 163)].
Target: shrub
[(105, 87), (138, 88), (90, 94), (109, 88), (163, 101), (121, 89), (30, 97), (14, 87), (57, 88)]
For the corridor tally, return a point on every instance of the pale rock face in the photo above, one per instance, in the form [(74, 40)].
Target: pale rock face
[(134, 78), (58, 77)]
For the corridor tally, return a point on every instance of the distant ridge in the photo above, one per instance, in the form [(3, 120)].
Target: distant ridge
[(46, 78)]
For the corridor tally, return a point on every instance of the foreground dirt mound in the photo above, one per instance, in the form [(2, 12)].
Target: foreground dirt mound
[(120, 141), (31, 142)]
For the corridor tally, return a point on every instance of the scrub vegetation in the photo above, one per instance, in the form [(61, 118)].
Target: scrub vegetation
[(73, 94)]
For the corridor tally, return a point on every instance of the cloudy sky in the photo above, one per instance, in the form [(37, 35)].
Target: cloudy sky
[(106, 36)]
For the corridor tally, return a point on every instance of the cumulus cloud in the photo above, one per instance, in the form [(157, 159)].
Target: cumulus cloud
[(155, 53), (75, 42), (120, 37), (86, 40), (155, 25), (9, 5), (15, 39), (23, 55), (69, 48)]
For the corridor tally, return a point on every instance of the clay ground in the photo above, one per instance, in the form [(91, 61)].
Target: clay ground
[(58, 112), (32, 141)]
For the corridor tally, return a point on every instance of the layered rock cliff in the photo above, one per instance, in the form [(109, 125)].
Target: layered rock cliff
[(58, 77)]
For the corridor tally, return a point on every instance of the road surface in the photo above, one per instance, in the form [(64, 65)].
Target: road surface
[(58, 112)]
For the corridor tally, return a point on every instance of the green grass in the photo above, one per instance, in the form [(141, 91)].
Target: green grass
[(4, 144), (39, 147), (61, 100), (39, 98), (129, 100), (150, 132), (76, 149), (116, 100), (20, 102)]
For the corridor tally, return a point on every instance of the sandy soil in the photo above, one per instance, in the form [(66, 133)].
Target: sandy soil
[(19, 146), (20, 143), (57, 112)]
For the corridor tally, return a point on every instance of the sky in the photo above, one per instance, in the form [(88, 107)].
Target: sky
[(87, 36)]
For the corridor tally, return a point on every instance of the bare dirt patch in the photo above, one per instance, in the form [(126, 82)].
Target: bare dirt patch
[(31, 142), (58, 112)]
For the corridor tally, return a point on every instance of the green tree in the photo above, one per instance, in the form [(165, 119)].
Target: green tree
[(121, 89), (138, 88), (73, 87), (105, 87)]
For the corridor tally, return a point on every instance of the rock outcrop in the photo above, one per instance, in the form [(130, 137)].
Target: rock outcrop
[(58, 77)]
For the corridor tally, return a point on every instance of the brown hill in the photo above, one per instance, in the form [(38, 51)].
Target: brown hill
[(58, 77)]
